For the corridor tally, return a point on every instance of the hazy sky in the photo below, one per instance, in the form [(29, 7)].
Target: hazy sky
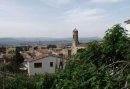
[(58, 18)]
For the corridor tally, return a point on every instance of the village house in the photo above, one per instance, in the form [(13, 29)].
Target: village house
[(44, 63)]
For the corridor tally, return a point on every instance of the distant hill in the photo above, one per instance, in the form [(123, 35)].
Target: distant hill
[(84, 39), (41, 40)]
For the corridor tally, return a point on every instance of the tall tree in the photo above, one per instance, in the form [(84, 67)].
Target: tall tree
[(116, 44), (17, 59)]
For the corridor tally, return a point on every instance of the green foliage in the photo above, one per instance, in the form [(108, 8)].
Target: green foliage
[(93, 54), (15, 64), (18, 82), (18, 58), (44, 81), (2, 49), (116, 44), (18, 49), (51, 46)]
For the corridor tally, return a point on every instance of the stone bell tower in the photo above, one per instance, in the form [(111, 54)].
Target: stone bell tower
[(75, 41), (75, 37)]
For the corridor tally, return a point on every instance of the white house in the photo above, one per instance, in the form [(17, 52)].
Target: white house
[(47, 64)]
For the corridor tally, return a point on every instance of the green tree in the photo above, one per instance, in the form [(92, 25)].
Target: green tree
[(44, 81), (15, 63), (51, 46), (116, 44), (2, 49), (19, 81), (92, 54)]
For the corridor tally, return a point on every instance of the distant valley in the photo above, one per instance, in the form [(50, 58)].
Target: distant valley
[(42, 40)]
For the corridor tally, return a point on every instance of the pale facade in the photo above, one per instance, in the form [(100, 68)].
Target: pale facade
[(47, 64)]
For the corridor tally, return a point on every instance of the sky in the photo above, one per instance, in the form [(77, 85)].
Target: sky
[(58, 18)]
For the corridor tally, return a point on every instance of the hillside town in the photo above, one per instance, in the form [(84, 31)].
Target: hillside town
[(34, 61), (42, 58), (64, 44)]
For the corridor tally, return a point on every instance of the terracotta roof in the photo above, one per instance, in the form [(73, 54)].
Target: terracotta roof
[(40, 57), (36, 57)]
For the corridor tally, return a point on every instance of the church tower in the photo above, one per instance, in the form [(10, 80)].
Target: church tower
[(75, 43), (75, 37)]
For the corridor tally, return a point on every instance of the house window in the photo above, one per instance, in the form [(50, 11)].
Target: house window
[(37, 65), (51, 64)]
